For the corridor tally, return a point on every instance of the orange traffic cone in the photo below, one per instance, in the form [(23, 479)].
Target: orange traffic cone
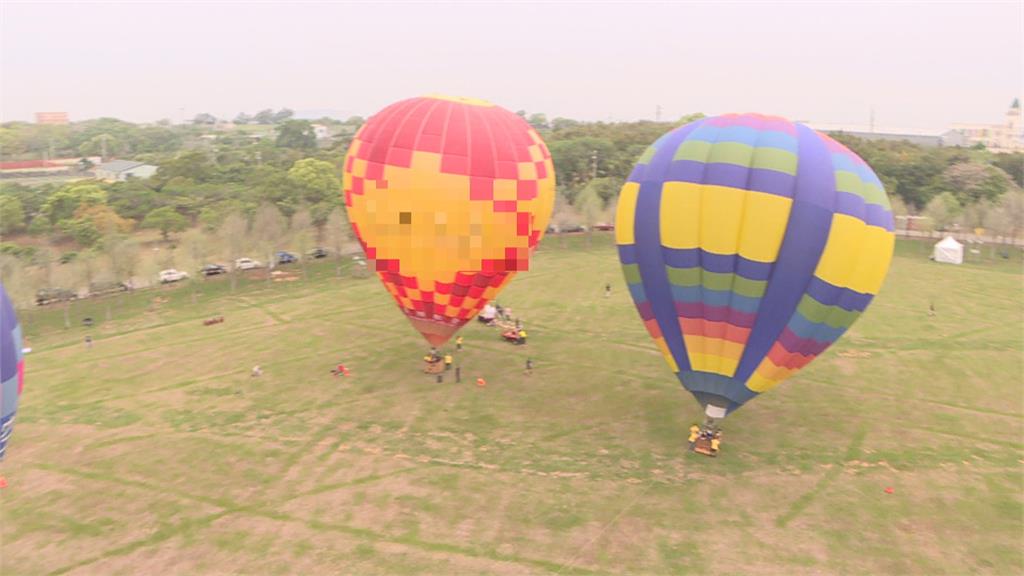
[(481, 382), (3, 482)]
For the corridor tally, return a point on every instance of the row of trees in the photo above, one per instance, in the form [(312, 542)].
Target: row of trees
[(117, 256), (201, 182), (192, 189)]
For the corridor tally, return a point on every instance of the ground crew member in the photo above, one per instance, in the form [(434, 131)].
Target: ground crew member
[(458, 343), (447, 361)]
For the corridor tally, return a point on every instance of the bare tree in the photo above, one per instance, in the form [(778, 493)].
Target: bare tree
[(301, 233), (337, 234), (123, 253), (232, 233), (194, 247), (17, 281), (268, 226)]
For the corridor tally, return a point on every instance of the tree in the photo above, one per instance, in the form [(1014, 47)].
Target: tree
[(690, 118), (102, 145), (204, 118), (166, 220), (63, 203), (301, 232), (103, 218), (605, 189), (83, 231), (972, 182), (564, 215), (268, 227), (538, 121), (943, 210), (213, 215), (194, 166), (17, 281), (589, 206), (315, 181), (124, 254), (195, 247), (1007, 218), (133, 199), (264, 117), (296, 134), (282, 115), (12, 215), (1013, 165), (243, 118), (232, 233), (337, 232)]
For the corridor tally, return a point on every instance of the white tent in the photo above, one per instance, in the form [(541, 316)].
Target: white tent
[(949, 250)]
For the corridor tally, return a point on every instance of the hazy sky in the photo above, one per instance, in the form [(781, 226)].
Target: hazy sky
[(920, 65)]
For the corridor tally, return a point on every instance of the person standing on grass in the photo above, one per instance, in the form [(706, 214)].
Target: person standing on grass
[(447, 361), (529, 366), (607, 290), (88, 341), (458, 343)]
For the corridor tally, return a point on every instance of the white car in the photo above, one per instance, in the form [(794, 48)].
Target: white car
[(172, 275), (247, 264)]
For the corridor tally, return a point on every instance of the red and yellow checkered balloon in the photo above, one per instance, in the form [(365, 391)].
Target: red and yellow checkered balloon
[(449, 197)]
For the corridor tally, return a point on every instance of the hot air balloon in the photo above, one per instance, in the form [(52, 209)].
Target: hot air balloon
[(448, 197), (12, 368), (750, 244)]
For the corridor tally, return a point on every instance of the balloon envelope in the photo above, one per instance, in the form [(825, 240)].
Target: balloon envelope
[(12, 368), (750, 244), (449, 197)]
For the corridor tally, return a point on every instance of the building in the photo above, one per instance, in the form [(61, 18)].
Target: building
[(121, 170), (51, 117), (321, 132), (1005, 137)]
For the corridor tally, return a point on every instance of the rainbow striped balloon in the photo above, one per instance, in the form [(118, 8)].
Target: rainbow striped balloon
[(750, 244)]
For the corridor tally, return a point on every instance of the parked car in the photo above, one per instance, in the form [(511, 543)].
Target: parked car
[(213, 270), (247, 264), (318, 253), (552, 229), (103, 288), (571, 229), (604, 227), (172, 275), (51, 295), (286, 258)]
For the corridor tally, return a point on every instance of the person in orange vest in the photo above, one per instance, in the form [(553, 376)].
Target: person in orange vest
[(447, 361), (694, 434)]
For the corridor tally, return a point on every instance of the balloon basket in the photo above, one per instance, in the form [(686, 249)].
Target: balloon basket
[(708, 442)]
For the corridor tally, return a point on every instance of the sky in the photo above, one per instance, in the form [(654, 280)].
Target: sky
[(919, 66)]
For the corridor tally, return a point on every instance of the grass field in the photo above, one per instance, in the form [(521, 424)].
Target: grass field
[(155, 452)]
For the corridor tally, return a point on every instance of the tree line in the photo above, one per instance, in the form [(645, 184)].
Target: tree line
[(237, 180)]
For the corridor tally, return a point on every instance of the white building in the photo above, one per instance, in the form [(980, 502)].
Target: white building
[(1005, 137), (321, 132), (121, 170)]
